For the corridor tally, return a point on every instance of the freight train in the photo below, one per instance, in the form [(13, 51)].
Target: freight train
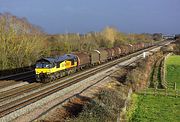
[(49, 69)]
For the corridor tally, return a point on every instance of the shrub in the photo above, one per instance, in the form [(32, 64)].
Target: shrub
[(139, 76), (104, 108)]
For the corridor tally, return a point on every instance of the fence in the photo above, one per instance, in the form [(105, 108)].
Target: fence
[(164, 82), (164, 92)]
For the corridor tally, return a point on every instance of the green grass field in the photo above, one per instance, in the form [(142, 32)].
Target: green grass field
[(152, 108), (173, 70), (159, 108)]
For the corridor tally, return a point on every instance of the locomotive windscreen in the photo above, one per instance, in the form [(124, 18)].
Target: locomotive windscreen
[(43, 65)]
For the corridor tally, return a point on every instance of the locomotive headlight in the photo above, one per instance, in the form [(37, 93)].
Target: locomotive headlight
[(39, 72), (49, 71)]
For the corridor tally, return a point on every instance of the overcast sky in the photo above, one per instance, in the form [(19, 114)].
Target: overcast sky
[(68, 16)]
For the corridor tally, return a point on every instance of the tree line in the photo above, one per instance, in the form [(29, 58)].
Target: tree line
[(22, 43), (107, 38)]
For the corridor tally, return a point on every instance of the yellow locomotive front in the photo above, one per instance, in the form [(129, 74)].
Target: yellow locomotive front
[(51, 68), (44, 68)]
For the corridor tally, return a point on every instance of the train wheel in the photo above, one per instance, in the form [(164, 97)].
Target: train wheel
[(53, 77), (71, 71), (56, 75), (67, 72), (81, 68), (46, 80), (74, 70), (50, 79), (60, 75)]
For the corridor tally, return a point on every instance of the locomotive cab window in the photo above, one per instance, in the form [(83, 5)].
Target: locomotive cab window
[(58, 64), (72, 62), (44, 65)]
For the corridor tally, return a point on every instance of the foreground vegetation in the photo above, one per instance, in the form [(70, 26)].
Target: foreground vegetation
[(155, 108), (173, 70), (104, 108)]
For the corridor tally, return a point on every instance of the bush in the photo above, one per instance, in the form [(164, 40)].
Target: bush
[(92, 112), (104, 108), (139, 76)]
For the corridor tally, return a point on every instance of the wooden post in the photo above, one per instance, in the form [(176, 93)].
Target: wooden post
[(156, 85), (166, 92), (175, 86), (155, 90), (175, 89), (145, 92), (164, 70), (177, 93)]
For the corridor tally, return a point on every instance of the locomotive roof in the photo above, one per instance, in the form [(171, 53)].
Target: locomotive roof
[(65, 57), (51, 60), (59, 58)]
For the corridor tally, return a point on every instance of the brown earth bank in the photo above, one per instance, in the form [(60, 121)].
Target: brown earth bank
[(177, 47), (108, 102)]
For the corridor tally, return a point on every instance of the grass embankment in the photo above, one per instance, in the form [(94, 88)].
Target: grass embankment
[(173, 70), (155, 77), (152, 108), (159, 107)]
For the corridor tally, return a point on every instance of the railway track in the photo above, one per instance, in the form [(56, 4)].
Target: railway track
[(12, 93), (57, 86), (15, 81), (17, 76), (13, 84)]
